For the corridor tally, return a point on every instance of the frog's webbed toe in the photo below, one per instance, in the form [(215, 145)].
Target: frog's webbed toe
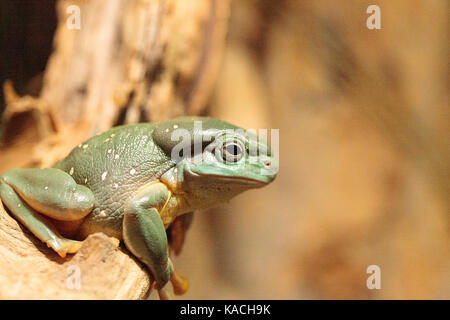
[(71, 246), (64, 245), (179, 283)]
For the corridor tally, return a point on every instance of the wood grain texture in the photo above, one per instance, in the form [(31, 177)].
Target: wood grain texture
[(30, 270)]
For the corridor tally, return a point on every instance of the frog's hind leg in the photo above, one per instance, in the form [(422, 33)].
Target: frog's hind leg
[(30, 194), (51, 192), (36, 223)]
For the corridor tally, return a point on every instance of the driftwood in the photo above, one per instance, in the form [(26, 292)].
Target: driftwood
[(30, 270), (130, 61)]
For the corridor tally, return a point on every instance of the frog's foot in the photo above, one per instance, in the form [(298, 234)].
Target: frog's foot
[(63, 246), (179, 283), (71, 246)]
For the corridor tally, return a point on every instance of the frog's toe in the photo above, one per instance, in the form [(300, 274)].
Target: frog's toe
[(180, 284), (57, 246), (61, 253), (64, 246), (71, 246)]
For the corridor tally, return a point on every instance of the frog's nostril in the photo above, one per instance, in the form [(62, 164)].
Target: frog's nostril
[(267, 163)]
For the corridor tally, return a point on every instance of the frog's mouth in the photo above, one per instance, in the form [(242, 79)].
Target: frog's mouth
[(256, 182), (237, 179)]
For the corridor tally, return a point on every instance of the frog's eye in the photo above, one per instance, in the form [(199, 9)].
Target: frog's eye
[(232, 151)]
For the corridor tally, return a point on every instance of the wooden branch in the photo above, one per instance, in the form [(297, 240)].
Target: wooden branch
[(31, 270)]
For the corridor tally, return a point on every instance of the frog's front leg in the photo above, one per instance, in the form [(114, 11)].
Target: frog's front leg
[(145, 236), (31, 194)]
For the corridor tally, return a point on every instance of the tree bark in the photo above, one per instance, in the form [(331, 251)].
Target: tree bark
[(130, 61)]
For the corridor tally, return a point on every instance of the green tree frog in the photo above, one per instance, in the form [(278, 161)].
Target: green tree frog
[(133, 182)]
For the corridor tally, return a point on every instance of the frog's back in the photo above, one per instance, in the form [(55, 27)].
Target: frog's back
[(114, 165)]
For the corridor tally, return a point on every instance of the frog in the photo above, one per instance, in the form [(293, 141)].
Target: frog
[(139, 184)]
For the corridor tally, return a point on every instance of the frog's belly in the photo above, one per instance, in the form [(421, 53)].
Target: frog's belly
[(107, 214), (108, 217), (98, 221)]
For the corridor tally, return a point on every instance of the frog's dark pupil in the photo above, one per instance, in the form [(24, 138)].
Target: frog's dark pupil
[(233, 149)]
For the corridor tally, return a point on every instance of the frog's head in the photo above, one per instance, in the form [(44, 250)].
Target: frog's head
[(216, 159)]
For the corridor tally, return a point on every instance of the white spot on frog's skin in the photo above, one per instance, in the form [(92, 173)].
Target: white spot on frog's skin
[(116, 157), (102, 213), (19, 205), (85, 146), (116, 185), (80, 145), (46, 188), (167, 130), (132, 171), (112, 135), (107, 139), (109, 150), (175, 126), (10, 193), (175, 170), (85, 180), (104, 174), (71, 171)]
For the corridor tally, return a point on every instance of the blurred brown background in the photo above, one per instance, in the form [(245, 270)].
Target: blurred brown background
[(364, 153)]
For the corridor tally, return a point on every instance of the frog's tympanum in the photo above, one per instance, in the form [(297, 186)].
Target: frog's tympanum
[(137, 183)]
